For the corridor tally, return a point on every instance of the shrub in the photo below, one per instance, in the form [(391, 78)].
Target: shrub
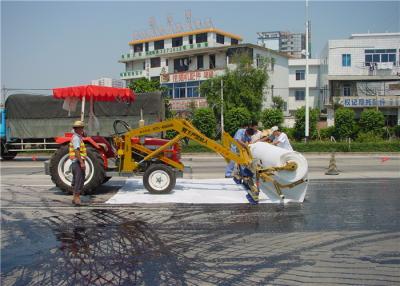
[(236, 118), (372, 120), (368, 137), (318, 146), (204, 120), (396, 130), (326, 133), (299, 126), (344, 122), (271, 117)]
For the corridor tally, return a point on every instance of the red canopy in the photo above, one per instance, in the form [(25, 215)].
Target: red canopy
[(99, 93)]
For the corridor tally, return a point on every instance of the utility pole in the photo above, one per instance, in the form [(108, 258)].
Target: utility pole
[(307, 119), (222, 107)]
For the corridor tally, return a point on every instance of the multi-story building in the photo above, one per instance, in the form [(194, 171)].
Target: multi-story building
[(297, 85), (362, 72), (291, 43), (106, 81), (182, 61)]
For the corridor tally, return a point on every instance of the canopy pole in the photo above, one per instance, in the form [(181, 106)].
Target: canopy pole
[(83, 108)]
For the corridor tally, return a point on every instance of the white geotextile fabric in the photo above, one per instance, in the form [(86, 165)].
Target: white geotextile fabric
[(188, 191)]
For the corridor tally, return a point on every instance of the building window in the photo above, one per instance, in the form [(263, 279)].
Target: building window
[(220, 39), (177, 42), (299, 94), (259, 60), (193, 89), (155, 62), (166, 62), (212, 62), (380, 56), (234, 42), (138, 48), (346, 60), (272, 90), (144, 65), (190, 39), (300, 74), (179, 90), (200, 62), (146, 47), (201, 38), (181, 64), (159, 45), (346, 90), (169, 91)]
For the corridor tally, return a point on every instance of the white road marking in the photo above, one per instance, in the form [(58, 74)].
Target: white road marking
[(38, 185)]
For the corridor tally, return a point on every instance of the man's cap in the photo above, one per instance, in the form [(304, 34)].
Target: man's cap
[(266, 133), (274, 128), (78, 124)]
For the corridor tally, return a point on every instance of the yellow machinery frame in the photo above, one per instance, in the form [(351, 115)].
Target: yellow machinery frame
[(183, 129)]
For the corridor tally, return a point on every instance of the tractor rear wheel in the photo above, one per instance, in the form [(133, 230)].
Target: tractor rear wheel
[(61, 173), (159, 179)]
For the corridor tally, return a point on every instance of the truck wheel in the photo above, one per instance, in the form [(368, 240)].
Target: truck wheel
[(61, 173), (7, 155), (159, 179)]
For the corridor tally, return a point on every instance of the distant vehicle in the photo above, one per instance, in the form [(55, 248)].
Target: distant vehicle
[(32, 122)]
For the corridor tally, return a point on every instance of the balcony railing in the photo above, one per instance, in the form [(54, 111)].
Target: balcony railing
[(140, 55), (132, 74), (381, 69)]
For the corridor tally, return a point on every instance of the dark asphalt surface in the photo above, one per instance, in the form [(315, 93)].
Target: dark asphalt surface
[(347, 232)]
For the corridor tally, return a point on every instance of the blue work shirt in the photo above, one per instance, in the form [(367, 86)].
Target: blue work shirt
[(242, 136)]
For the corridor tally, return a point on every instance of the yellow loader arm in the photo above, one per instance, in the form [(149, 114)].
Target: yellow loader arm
[(183, 129)]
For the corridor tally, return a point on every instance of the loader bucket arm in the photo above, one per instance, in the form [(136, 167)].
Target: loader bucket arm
[(183, 129)]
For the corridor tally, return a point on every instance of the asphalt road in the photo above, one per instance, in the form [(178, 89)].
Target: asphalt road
[(347, 232)]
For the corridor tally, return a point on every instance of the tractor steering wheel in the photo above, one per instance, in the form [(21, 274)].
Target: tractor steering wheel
[(124, 125)]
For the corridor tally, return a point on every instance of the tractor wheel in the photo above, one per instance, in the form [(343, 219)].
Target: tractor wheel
[(159, 179), (61, 173), (7, 155)]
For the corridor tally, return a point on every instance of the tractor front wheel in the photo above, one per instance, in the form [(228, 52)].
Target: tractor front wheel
[(159, 179)]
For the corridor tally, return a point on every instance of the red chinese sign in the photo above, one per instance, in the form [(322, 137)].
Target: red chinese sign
[(192, 75)]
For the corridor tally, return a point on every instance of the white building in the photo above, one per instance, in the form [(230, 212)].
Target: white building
[(181, 61), (106, 81), (297, 86), (291, 43), (362, 72)]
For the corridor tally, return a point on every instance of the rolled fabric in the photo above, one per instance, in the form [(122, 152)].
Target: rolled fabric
[(270, 155)]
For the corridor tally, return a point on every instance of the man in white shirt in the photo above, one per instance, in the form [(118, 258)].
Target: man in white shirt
[(281, 139)]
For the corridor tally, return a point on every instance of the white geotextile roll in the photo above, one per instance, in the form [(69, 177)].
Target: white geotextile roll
[(272, 156)]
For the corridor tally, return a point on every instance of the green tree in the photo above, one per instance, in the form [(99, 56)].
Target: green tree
[(278, 102), (271, 117), (204, 120), (243, 87), (299, 126), (145, 85), (344, 122), (372, 120), (236, 118)]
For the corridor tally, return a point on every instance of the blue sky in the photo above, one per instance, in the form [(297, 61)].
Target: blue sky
[(55, 44)]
